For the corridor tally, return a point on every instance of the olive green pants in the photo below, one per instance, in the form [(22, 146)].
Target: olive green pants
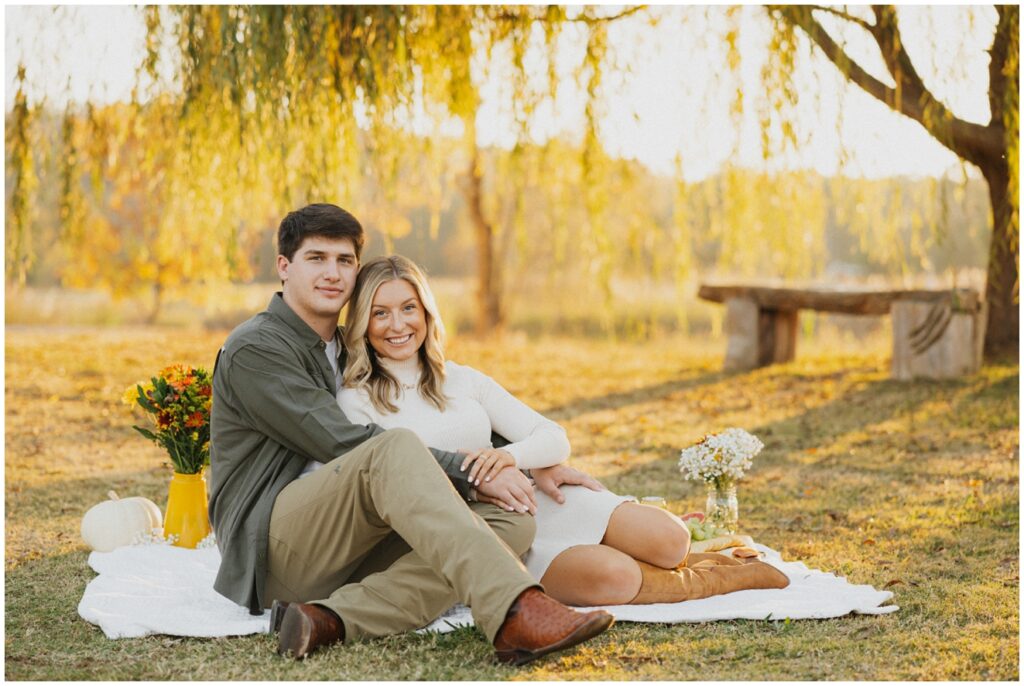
[(381, 537)]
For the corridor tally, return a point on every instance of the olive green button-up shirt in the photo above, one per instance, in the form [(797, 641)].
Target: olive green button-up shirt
[(273, 410)]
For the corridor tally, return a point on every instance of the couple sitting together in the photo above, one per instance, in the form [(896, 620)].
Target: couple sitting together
[(356, 490)]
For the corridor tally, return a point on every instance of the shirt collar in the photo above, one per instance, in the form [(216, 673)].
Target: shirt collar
[(279, 308)]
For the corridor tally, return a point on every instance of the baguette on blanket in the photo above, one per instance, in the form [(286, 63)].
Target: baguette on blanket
[(717, 543)]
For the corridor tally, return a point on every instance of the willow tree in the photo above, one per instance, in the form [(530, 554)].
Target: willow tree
[(139, 208), (314, 87), (993, 147), (22, 182)]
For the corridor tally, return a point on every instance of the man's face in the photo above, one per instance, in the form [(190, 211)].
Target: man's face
[(318, 280)]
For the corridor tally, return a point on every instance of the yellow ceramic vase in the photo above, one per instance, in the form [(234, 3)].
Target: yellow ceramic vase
[(187, 516)]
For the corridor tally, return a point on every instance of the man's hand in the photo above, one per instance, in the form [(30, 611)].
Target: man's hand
[(548, 479), (509, 490)]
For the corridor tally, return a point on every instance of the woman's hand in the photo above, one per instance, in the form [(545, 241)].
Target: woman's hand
[(509, 490), (486, 464)]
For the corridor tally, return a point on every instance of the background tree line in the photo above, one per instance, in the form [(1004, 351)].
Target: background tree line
[(276, 106)]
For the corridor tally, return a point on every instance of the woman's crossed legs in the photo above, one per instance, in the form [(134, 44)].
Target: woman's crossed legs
[(641, 559), (608, 573)]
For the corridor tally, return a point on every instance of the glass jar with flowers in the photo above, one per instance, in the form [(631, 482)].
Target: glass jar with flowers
[(177, 401), (720, 460)]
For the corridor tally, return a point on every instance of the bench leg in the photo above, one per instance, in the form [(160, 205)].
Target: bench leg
[(758, 337), (927, 345), (777, 336), (741, 326)]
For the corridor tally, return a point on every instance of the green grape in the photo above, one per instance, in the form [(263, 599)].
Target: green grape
[(697, 529), (700, 532)]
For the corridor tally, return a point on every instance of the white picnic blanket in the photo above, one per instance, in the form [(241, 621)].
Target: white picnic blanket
[(161, 589)]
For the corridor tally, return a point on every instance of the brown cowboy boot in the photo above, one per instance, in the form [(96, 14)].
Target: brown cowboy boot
[(537, 624), (306, 627), (704, 579)]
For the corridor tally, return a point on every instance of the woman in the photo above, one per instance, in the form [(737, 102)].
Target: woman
[(596, 548)]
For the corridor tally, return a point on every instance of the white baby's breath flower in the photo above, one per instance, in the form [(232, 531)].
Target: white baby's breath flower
[(153, 537), (156, 537), (723, 456), (209, 542)]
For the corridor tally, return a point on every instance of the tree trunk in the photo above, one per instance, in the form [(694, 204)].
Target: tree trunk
[(158, 301), (488, 277), (1001, 288)]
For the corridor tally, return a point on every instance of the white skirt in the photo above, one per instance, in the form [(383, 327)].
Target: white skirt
[(581, 520)]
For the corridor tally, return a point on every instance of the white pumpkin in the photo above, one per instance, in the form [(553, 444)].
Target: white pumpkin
[(116, 522)]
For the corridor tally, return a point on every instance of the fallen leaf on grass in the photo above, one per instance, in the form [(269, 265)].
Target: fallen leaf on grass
[(893, 583), (868, 541), (640, 658)]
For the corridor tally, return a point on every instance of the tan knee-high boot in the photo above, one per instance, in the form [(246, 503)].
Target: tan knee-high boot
[(713, 558), (703, 580)]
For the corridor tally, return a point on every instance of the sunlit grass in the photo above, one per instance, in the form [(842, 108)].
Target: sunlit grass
[(911, 487)]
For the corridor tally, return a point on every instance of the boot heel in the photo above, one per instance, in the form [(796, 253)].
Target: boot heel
[(277, 611)]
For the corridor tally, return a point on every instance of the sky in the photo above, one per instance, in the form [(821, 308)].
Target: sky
[(668, 111)]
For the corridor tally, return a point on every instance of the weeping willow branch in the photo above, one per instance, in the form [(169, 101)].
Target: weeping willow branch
[(591, 20), (21, 166), (845, 16)]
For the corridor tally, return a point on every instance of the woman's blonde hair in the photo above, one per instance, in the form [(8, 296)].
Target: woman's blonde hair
[(363, 369)]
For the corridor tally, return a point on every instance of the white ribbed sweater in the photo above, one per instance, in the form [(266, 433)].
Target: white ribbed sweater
[(477, 405)]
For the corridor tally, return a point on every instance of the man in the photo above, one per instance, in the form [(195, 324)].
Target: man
[(350, 531)]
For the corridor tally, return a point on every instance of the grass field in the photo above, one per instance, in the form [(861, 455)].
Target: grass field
[(907, 486)]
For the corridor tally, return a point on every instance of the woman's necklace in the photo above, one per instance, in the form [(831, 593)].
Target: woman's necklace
[(395, 372), (407, 386)]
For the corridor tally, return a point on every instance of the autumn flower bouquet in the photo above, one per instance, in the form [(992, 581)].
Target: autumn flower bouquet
[(178, 402), (720, 460)]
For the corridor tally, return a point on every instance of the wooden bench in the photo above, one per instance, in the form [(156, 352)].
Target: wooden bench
[(936, 334)]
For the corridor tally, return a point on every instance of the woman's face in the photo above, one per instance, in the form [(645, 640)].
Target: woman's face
[(398, 323)]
